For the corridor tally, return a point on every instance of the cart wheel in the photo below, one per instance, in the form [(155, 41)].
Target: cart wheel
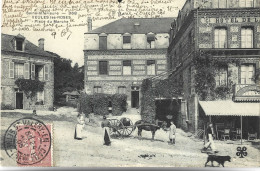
[(128, 126), (116, 127)]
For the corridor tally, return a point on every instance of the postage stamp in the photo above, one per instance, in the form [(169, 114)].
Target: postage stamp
[(28, 141)]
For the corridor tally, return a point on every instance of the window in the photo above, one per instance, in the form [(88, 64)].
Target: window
[(127, 68), (246, 3), (19, 44), (122, 90), (246, 37), (150, 40), (39, 72), (103, 42), (150, 67), (97, 89), (127, 42), (40, 98), (221, 77), (220, 38), (103, 68), (18, 70), (247, 74)]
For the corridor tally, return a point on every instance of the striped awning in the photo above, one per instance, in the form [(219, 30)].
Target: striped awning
[(230, 108)]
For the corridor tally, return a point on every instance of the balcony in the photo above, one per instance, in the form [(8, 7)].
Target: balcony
[(246, 92)]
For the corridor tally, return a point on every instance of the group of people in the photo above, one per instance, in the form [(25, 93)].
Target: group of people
[(81, 126)]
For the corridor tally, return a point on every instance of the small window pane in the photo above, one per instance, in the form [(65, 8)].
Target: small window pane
[(97, 89), (102, 42), (220, 38)]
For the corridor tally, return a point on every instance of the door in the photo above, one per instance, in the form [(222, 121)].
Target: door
[(135, 99), (19, 100)]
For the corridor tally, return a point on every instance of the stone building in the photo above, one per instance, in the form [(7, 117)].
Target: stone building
[(119, 55), (22, 59), (214, 53)]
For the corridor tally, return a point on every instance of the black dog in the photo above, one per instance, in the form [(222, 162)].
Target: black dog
[(220, 159)]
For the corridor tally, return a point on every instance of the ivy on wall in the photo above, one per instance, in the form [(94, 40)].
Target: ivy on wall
[(150, 90), (29, 87), (206, 69)]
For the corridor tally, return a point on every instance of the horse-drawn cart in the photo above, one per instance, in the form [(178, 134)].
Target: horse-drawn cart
[(122, 127)]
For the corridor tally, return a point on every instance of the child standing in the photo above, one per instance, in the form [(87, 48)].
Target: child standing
[(79, 127)]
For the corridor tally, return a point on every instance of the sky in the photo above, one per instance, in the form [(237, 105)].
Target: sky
[(72, 47)]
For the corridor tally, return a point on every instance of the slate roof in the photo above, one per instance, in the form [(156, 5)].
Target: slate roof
[(127, 25), (30, 48)]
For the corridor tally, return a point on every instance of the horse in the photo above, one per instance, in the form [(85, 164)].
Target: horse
[(142, 125)]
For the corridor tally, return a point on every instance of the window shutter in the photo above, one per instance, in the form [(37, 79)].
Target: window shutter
[(32, 71), (11, 69), (46, 72), (26, 71)]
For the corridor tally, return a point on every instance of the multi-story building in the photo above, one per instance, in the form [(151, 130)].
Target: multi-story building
[(214, 52), (21, 59), (119, 55)]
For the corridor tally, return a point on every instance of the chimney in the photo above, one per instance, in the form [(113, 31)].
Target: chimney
[(41, 43), (89, 24)]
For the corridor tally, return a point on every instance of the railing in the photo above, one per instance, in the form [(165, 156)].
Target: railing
[(246, 92)]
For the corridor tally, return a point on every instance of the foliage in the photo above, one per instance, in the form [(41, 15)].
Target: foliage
[(155, 89), (6, 107), (119, 103), (206, 69), (98, 103), (66, 77), (29, 87), (221, 92)]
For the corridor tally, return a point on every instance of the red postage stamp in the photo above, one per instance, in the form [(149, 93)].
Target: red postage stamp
[(33, 143)]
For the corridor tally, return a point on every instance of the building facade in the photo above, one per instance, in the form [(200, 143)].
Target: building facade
[(214, 52), (119, 55), (21, 59)]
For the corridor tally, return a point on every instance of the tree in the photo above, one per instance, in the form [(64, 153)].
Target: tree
[(66, 77)]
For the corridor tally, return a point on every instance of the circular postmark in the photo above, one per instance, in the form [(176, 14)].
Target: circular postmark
[(27, 140)]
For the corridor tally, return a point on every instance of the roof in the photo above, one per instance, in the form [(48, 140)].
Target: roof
[(128, 25), (30, 48), (74, 93), (230, 108)]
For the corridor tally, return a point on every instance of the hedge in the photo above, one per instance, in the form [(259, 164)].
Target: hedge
[(154, 89), (98, 103)]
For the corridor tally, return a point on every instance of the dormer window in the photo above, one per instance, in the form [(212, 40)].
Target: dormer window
[(19, 44), (150, 40)]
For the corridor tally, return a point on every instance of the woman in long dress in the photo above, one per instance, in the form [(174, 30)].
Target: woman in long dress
[(79, 127), (105, 125)]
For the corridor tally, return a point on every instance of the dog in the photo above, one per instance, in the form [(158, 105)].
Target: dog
[(219, 159)]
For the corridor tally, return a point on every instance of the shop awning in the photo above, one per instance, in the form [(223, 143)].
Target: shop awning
[(230, 108)]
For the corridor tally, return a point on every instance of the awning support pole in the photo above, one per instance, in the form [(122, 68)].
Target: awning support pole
[(241, 129), (209, 118)]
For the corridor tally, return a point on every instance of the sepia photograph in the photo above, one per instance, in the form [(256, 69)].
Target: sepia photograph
[(130, 83)]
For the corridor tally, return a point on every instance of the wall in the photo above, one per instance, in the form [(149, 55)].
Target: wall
[(233, 21), (115, 41), (8, 84)]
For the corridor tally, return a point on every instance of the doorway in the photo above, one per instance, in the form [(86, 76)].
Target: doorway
[(135, 99), (19, 100)]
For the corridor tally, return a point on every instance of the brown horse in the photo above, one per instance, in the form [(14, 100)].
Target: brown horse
[(142, 125)]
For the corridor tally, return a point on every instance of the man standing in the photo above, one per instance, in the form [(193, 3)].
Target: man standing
[(210, 134), (172, 133)]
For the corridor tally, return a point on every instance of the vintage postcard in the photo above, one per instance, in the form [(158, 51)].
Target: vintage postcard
[(130, 83)]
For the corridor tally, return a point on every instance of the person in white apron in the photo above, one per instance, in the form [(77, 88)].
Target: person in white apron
[(172, 133), (79, 127), (210, 135), (105, 124)]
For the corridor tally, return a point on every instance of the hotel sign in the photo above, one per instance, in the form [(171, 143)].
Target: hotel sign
[(228, 20)]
